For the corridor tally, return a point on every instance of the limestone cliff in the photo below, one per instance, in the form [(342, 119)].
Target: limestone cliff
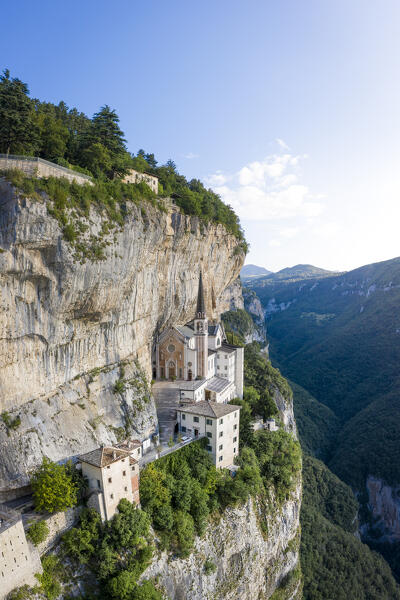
[(66, 325), (254, 550), (384, 504)]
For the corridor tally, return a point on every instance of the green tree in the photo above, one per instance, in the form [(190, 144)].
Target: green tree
[(53, 487), (16, 131), (184, 531), (38, 532)]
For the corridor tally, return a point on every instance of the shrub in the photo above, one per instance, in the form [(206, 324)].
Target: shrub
[(209, 567), (38, 532)]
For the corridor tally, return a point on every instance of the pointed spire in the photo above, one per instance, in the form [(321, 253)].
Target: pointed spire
[(201, 306)]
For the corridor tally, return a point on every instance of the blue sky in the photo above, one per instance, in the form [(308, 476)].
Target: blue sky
[(290, 109)]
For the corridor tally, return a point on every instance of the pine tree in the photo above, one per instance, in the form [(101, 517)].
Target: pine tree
[(16, 131)]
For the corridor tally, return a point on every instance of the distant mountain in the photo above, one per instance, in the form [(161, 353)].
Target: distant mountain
[(290, 274), (250, 271), (338, 336)]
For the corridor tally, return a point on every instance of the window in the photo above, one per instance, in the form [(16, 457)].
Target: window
[(209, 434), (123, 460), (138, 451), (196, 419), (126, 489), (98, 483), (208, 422), (221, 433), (226, 368), (221, 458), (109, 479), (171, 348), (183, 428), (221, 421), (220, 447), (209, 448), (234, 439), (235, 415), (124, 473), (108, 467), (234, 451), (226, 356), (235, 426), (111, 496), (183, 417)]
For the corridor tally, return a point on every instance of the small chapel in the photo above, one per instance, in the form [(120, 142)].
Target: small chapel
[(198, 356)]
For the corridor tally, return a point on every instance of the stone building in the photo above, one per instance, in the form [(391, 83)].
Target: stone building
[(19, 560), (112, 474), (197, 354), (219, 422), (136, 177)]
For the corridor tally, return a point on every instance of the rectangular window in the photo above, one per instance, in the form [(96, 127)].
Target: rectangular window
[(111, 496), (98, 483), (209, 448), (183, 417), (221, 421), (183, 429), (196, 419), (235, 426), (109, 480), (209, 434), (221, 433), (234, 451), (126, 489), (235, 415), (234, 439), (221, 458), (124, 473), (226, 368), (220, 447), (208, 422)]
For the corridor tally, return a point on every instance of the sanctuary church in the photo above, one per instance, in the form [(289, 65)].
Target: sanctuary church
[(199, 357)]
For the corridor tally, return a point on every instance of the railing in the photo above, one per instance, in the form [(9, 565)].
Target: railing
[(14, 157)]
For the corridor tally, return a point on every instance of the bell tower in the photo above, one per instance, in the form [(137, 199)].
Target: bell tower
[(201, 332)]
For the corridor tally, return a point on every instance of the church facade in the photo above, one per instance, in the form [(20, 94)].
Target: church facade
[(198, 356)]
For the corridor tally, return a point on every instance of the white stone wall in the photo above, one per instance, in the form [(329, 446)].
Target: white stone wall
[(114, 481), (224, 432), (58, 523), (37, 167), (19, 560)]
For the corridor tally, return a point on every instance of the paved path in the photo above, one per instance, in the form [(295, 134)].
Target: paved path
[(154, 454), (166, 395)]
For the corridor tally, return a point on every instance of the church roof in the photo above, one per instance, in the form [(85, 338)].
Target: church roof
[(104, 456), (218, 384), (201, 306), (210, 409), (192, 385), (228, 348)]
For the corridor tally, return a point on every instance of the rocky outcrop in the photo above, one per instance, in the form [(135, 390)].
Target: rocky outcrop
[(384, 504), (232, 298), (252, 551), (66, 325), (253, 306)]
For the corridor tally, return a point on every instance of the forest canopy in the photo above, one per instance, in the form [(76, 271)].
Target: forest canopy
[(97, 146)]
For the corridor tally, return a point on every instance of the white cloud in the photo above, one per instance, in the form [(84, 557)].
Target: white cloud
[(282, 144), (191, 155), (268, 189)]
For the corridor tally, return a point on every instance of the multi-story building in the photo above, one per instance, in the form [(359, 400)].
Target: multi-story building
[(19, 560), (112, 474), (197, 354), (219, 422)]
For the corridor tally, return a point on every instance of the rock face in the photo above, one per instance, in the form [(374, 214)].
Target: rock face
[(384, 503), (66, 326), (232, 298), (253, 306), (248, 563)]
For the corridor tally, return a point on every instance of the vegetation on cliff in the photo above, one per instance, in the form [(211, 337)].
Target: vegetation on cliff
[(97, 147)]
